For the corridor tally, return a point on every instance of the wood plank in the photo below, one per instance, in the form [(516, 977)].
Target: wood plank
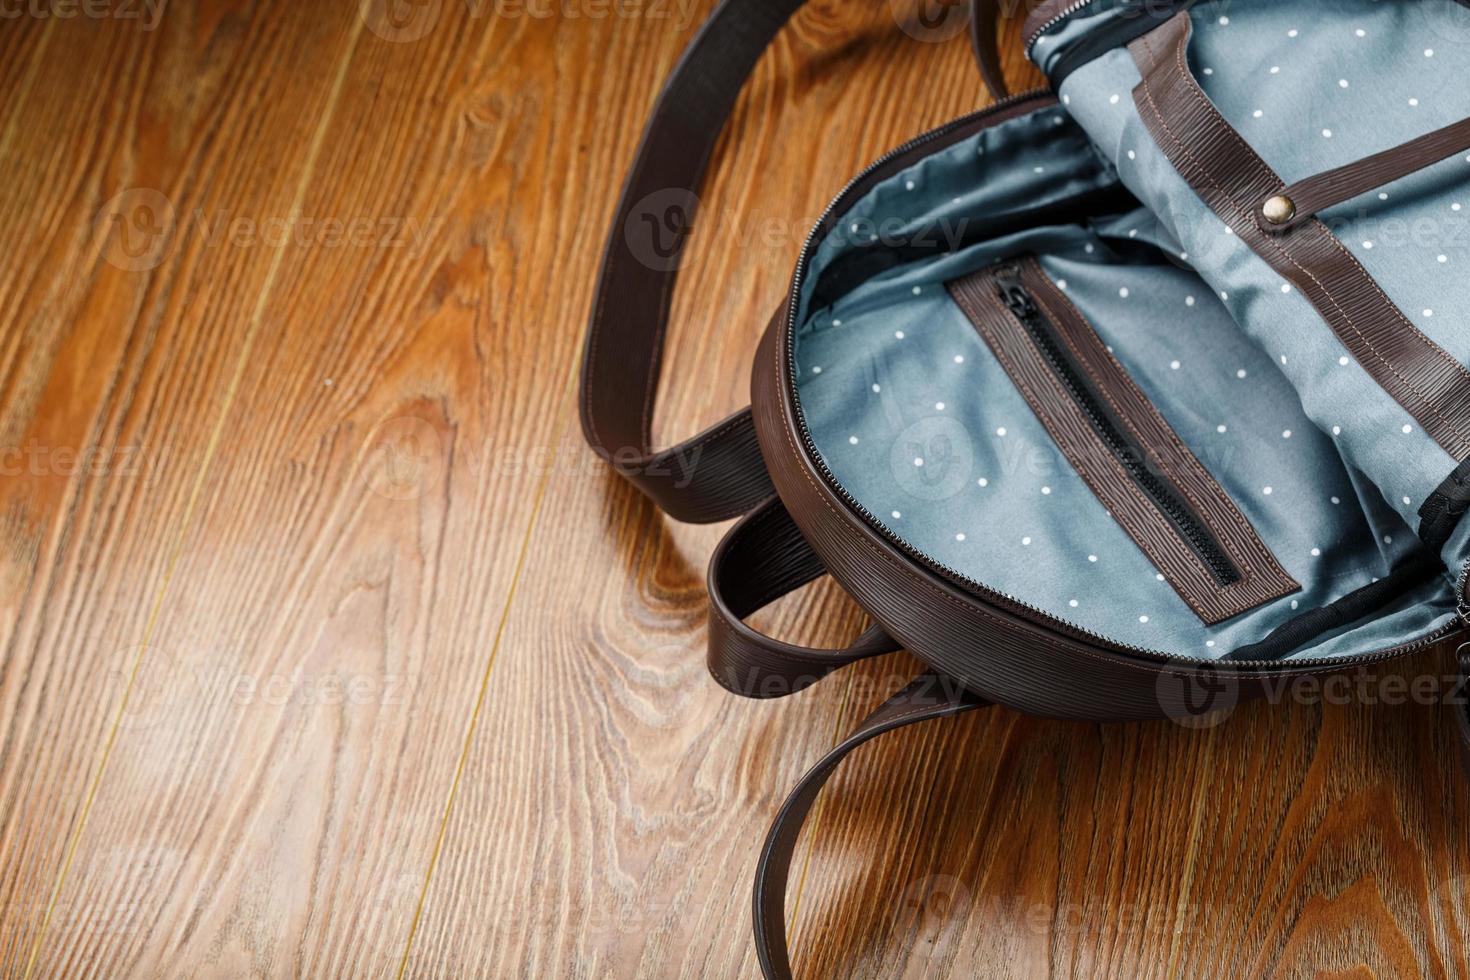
[(1290, 840), (275, 794), (108, 388), (347, 656), (614, 799)]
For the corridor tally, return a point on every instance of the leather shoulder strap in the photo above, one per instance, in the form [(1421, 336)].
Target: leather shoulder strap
[(718, 474), (985, 18), (763, 557), (927, 696)]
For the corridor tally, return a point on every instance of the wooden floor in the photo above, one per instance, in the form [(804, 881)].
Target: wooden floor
[(329, 650)]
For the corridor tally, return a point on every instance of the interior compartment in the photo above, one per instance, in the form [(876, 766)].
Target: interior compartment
[(1309, 90), (915, 418)]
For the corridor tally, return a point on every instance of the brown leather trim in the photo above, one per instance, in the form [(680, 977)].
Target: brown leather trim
[(717, 474), (985, 17), (1331, 187), (1261, 577), (762, 558), (1232, 179)]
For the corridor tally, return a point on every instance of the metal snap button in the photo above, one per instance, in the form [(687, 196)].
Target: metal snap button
[(1278, 209)]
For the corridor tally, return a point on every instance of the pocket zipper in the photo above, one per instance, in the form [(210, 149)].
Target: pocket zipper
[(1190, 528)]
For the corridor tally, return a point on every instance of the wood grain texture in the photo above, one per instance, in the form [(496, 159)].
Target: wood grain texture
[(329, 650)]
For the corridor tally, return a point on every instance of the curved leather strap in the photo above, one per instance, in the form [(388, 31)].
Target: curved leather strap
[(1460, 703), (717, 474), (984, 33), (927, 696), (762, 558)]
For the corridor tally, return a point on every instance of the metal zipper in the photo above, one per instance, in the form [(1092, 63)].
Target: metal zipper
[(1000, 599), (1190, 528), (1062, 15)]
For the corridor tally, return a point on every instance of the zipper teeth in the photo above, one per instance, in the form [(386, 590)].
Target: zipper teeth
[(1460, 603), (953, 575), (1062, 15), (1185, 521)]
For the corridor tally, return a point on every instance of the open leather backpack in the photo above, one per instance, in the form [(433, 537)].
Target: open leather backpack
[(1108, 401)]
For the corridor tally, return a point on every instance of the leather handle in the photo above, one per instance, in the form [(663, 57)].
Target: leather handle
[(927, 696), (762, 558), (985, 16), (717, 474), (1460, 703)]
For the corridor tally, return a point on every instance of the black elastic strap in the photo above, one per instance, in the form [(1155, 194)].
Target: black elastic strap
[(1419, 567), (1441, 511)]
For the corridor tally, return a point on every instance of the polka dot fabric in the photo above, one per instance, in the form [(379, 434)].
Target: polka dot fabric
[(1313, 85), (914, 416)]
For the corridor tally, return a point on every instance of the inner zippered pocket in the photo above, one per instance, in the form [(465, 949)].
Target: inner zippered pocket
[(1152, 485)]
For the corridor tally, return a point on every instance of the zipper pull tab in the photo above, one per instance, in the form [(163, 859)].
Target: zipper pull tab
[(1013, 293)]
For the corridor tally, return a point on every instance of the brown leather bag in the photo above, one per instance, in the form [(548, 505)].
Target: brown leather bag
[(1159, 177)]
